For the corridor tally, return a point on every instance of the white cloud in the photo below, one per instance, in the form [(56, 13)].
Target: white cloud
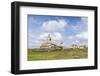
[(81, 25), (76, 42), (53, 25), (36, 42), (31, 44), (84, 20), (57, 36), (43, 35), (33, 41), (54, 35), (82, 35)]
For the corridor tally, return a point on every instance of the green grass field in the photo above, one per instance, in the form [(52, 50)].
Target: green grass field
[(33, 54)]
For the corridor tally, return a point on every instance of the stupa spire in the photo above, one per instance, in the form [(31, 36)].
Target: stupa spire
[(49, 37)]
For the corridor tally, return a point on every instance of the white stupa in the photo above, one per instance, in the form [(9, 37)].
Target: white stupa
[(49, 45)]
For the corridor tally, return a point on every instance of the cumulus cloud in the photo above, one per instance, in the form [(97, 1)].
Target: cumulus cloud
[(44, 35), (57, 36), (82, 35), (34, 42), (82, 25), (84, 20), (75, 42), (54, 35), (80, 38), (54, 25), (80, 42), (78, 32)]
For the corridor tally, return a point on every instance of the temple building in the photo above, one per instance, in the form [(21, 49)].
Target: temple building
[(50, 45)]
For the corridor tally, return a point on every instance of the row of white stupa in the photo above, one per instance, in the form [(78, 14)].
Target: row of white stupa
[(49, 44)]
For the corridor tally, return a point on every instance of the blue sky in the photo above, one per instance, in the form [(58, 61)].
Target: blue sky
[(65, 29)]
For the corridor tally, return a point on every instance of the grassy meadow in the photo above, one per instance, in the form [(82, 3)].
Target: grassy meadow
[(36, 54)]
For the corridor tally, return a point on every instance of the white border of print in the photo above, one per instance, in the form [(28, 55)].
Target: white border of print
[(24, 64)]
